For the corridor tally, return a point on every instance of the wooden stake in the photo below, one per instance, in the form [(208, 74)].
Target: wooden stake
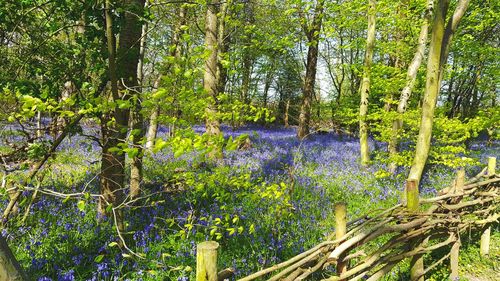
[(485, 242), (459, 183), (340, 231), (485, 237), (454, 260), (492, 162), (206, 261)]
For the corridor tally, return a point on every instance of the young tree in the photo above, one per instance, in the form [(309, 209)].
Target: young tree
[(210, 83), (365, 84), (438, 53)]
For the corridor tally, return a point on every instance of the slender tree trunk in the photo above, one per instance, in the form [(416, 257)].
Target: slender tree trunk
[(365, 85), (431, 91), (39, 132), (313, 34), (247, 59), (438, 53), (285, 119), (267, 85), (210, 83), (177, 53), (9, 266), (411, 76), (246, 73), (153, 120), (223, 44)]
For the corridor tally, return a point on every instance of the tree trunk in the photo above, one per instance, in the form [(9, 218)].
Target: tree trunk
[(411, 76), (153, 121), (365, 85), (134, 31), (39, 132), (210, 83), (313, 34), (9, 266), (114, 132), (438, 52), (112, 164), (175, 52), (285, 119), (267, 85), (223, 44)]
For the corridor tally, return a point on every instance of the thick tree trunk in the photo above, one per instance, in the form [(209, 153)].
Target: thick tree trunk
[(313, 34), (438, 52), (9, 267), (210, 82), (114, 124), (112, 164), (365, 85), (411, 76), (129, 56)]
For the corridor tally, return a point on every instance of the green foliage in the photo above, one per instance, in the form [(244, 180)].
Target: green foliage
[(450, 135)]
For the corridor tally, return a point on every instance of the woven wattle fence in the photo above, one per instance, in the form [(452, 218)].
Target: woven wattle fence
[(368, 249)]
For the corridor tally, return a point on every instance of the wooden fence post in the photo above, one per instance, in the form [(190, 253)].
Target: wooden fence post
[(340, 231), (206, 261), (412, 204), (459, 182), (485, 236), (455, 248), (492, 162)]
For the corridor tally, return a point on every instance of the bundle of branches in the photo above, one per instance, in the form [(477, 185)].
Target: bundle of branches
[(379, 243)]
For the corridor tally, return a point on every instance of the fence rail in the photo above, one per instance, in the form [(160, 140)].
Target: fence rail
[(370, 248)]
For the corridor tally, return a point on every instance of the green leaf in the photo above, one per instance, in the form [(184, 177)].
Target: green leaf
[(99, 258), (81, 205)]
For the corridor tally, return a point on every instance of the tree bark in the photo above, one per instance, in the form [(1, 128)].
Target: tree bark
[(212, 123), (112, 164), (365, 85), (411, 76), (9, 266), (114, 124), (223, 43), (133, 37), (313, 34), (438, 53)]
